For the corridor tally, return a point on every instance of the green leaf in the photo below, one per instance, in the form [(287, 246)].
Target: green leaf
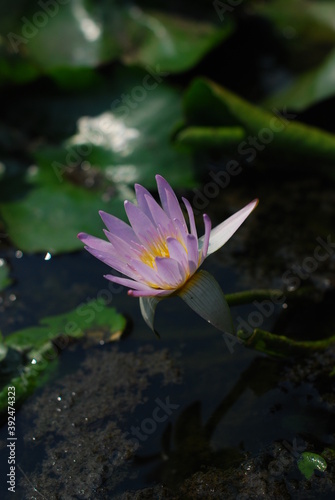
[(306, 29), (97, 167), (4, 275), (50, 215), (172, 42), (277, 134), (203, 294), (309, 462), (308, 88), (93, 34), (212, 137), (29, 354), (281, 346), (74, 324)]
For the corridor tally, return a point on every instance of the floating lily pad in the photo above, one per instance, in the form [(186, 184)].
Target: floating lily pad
[(29, 354), (277, 134), (306, 29), (97, 167), (172, 42), (50, 215), (308, 89), (309, 462), (93, 34)]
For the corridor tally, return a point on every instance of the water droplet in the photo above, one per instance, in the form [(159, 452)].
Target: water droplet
[(18, 254), (47, 256)]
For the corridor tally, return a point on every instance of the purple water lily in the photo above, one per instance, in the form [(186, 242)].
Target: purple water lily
[(160, 255)]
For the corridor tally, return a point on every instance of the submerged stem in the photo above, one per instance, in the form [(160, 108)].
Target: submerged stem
[(273, 294), (281, 346), (270, 343)]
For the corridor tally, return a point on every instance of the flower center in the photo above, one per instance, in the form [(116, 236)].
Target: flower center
[(155, 249)]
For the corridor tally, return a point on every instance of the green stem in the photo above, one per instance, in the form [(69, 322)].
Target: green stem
[(247, 296), (270, 343), (281, 346), (273, 294)]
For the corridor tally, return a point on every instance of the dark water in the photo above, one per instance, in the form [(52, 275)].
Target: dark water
[(198, 402)]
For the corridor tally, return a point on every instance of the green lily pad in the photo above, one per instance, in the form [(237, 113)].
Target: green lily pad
[(277, 134), (30, 354), (4, 275), (309, 462), (308, 89), (172, 42), (50, 215), (97, 167), (93, 34), (306, 29)]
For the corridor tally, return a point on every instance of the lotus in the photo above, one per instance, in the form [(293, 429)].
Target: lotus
[(160, 254)]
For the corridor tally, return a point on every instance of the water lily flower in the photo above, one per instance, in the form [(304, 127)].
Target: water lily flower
[(160, 255)]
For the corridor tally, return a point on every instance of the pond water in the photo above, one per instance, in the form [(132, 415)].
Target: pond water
[(192, 414)]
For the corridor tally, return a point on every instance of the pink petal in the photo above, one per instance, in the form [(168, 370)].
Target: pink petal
[(178, 253), (169, 200), (190, 217), (117, 226), (157, 213), (122, 249), (114, 262), (180, 231), (135, 285), (147, 274), (96, 243), (170, 272), (152, 293), (142, 225), (141, 194), (193, 253)]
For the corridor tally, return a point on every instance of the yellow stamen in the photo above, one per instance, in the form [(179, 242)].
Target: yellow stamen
[(158, 248)]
